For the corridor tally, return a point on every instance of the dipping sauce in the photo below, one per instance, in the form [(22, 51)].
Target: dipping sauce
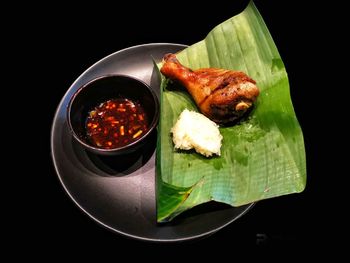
[(116, 123)]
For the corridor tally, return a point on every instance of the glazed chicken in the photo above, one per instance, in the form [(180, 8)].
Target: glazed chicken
[(220, 94)]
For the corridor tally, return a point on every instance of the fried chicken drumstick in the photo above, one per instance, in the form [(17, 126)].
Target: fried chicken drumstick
[(222, 95)]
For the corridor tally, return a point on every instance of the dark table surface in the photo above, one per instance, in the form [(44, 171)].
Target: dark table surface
[(76, 39)]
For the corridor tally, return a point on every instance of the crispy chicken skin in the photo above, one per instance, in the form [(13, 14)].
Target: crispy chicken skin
[(222, 95)]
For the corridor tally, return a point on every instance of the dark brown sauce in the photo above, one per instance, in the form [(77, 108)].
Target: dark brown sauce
[(116, 123)]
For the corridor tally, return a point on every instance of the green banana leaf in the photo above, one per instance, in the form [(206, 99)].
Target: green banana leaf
[(263, 156)]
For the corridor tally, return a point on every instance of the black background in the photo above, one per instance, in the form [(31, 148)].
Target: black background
[(74, 38)]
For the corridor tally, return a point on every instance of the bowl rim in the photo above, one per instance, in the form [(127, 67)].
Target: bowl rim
[(152, 125)]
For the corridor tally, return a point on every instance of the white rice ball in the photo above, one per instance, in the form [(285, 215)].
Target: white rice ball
[(194, 130)]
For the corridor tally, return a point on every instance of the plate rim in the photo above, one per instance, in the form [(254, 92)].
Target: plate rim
[(96, 220)]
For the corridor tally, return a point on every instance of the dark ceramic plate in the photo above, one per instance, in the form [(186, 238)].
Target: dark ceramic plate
[(119, 192)]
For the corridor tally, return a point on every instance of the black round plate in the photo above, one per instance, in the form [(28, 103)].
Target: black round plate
[(119, 192)]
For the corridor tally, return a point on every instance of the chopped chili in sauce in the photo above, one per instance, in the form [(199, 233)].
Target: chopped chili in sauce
[(116, 123)]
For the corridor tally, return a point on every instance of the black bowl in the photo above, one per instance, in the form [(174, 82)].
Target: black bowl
[(105, 88)]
